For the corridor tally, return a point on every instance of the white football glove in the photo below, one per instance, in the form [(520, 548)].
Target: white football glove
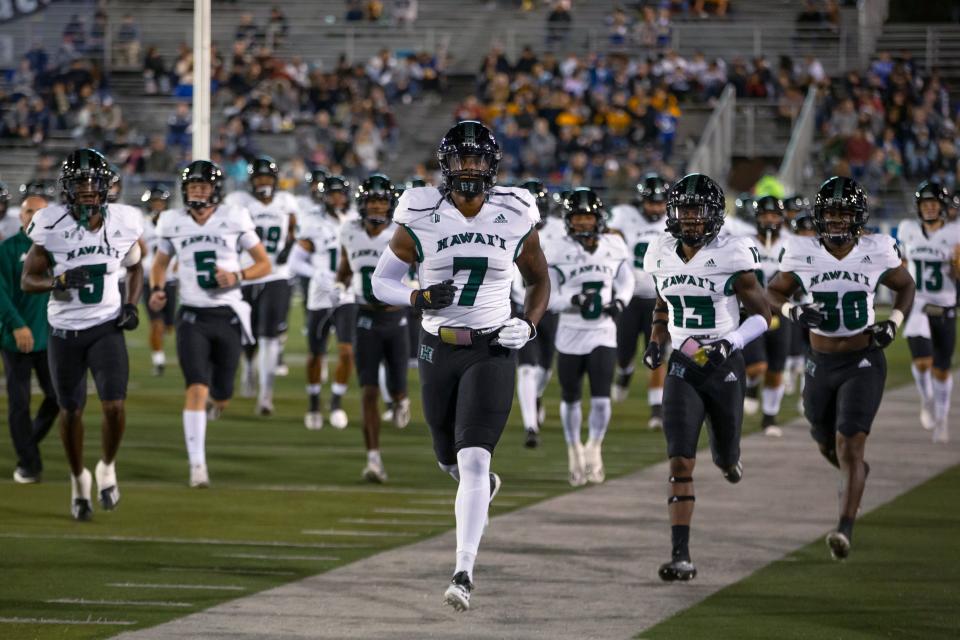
[(337, 294), (515, 333)]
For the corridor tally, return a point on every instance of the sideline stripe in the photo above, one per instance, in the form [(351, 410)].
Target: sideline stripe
[(90, 620), (370, 534), (202, 541), (396, 521), (413, 512), (265, 556), (256, 572), (150, 585), (120, 603)]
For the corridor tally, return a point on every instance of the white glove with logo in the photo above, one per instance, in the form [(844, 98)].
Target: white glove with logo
[(515, 333)]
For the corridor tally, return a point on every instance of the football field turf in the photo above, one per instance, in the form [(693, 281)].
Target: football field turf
[(285, 503)]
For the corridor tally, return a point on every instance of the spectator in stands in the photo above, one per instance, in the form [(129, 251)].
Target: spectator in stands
[(178, 126), (664, 29), (277, 27), (127, 52), (920, 154), (858, 150), (354, 11), (158, 160), (541, 148), (618, 27), (66, 54), (21, 82), (718, 7), (156, 77), (373, 10), (367, 144), (645, 31), (76, 31), (559, 23), (183, 72), (404, 12), (246, 30), (38, 57)]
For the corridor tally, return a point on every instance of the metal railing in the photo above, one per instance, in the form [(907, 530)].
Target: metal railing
[(714, 152), (796, 159)]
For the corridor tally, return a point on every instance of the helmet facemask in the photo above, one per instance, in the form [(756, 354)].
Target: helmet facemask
[(838, 227), (87, 197), (693, 224), (469, 174)]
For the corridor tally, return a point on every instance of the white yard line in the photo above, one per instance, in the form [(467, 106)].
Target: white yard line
[(89, 621), (362, 534), (413, 512), (122, 603), (264, 556), (201, 587), (255, 572), (395, 521), (188, 541)]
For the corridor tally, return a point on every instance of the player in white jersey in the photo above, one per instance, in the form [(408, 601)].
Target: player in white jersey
[(702, 278), (9, 218), (155, 199), (466, 238), (740, 221), (932, 253), (274, 215), (381, 330), (78, 253), (591, 282), (799, 221), (207, 238), (640, 224), (536, 357), (846, 369), (766, 357)]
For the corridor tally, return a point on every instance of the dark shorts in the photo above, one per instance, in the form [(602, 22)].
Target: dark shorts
[(382, 337), (169, 312), (101, 349), (467, 394), (842, 392), (940, 345), (345, 322), (269, 307), (635, 320), (771, 347), (539, 351), (718, 400), (598, 366), (208, 347), (319, 324), (799, 339)]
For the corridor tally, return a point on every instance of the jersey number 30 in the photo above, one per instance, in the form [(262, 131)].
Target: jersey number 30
[(853, 308)]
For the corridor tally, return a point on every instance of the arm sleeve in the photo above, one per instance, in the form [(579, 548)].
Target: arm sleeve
[(751, 329), (300, 262), (388, 277)]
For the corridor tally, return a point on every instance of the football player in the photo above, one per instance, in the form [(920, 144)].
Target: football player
[(846, 369), (702, 278), (78, 252), (274, 215), (115, 192), (155, 199), (932, 254), (640, 224), (465, 238), (766, 356), (381, 328), (206, 237), (591, 282), (9, 218), (799, 221), (536, 357)]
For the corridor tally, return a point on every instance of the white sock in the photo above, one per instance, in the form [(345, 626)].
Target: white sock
[(654, 396), (599, 418), (923, 382), (195, 435), (269, 352), (570, 417), (770, 398), (382, 379), (527, 377), (473, 500), (158, 358), (542, 380), (941, 397), (373, 457), (338, 389)]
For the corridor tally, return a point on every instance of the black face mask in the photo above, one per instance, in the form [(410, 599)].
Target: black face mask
[(469, 186)]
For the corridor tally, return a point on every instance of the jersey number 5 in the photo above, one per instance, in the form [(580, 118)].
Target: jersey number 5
[(478, 271), (206, 267)]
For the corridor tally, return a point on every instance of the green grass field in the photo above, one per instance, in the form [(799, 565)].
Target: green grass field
[(285, 502)]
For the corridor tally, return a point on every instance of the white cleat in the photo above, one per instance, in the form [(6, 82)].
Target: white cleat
[(941, 432), (401, 413), (618, 393), (457, 594), (107, 492), (375, 472), (773, 431), (751, 406), (199, 478), (387, 415), (264, 408), (575, 465), (927, 421), (655, 423), (338, 419), (81, 508), (281, 371), (593, 463), (313, 420)]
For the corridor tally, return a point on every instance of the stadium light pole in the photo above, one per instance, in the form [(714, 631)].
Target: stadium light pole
[(201, 79)]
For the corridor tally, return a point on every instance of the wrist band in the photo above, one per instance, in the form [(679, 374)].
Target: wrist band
[(896, 317), (785, 309)]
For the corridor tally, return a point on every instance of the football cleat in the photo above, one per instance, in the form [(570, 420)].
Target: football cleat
[(199, 478), (751, 406), (457, 594), (655, 423), (927, 420), (575, 465), (107, 492), (839, 545), (213, 412), (375, 472), (593, 462), (81, 508), (22, 476), (532, 439), (281, 371), (264, 408), (773, 431), (313, 420), (674, 570), (941, 431), (338, 419), (619, 393), (734, 473), (387, 415), (158, 370), (401, 413)]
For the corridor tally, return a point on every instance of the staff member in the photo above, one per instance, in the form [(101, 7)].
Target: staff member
[(23, 345)]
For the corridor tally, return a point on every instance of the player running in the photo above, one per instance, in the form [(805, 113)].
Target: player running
[(846, 369), (155, 200)]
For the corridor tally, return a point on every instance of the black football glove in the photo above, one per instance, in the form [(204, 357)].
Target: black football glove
[(807, 315), (284, 254), (72, 279), (129, 317), (653, 356), (614, 309), (583, 300), (717, 352), (436, 296), (883, 333)]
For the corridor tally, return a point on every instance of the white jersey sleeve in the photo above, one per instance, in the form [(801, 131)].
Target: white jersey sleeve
[(363, 252), (324, 234)]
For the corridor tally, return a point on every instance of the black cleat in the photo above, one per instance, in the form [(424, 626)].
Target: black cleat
[(677, 570), (839, 545), (81, 510), (457, 594), (532, 440), (734, 473)]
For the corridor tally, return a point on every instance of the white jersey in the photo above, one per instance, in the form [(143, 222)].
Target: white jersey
[(638, 233), (10, 223), (699, 293), (574, 270), (769, 257), (324, 233), (553, 231), (363, 253), (476, 253), (928, 259), (152, 239), (272, 222), (845, 287), (734, 226), (101, 252)]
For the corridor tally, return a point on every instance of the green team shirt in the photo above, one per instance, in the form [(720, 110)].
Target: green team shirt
[(18, 309)]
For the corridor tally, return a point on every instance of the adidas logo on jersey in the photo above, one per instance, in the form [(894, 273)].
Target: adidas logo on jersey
[(117, 233), (710, 263), (866, 259), (864, 364), (500, 219)]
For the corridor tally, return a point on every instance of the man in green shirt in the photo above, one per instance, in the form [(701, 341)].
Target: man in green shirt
[(23, 345)]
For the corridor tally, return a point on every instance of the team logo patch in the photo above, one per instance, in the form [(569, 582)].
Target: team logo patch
[(426, 353), (500, 219), (677, 369), (810, 368)]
